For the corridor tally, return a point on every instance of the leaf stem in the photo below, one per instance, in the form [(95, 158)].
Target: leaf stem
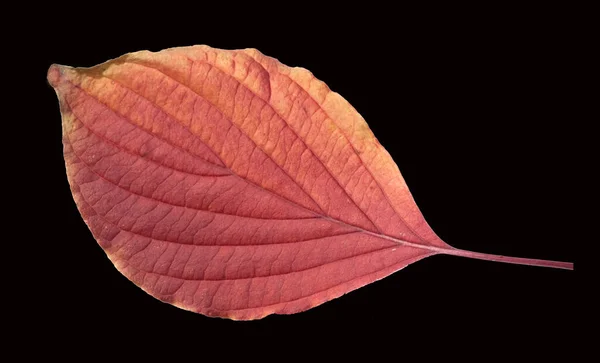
[(478, 255), (507, 259)]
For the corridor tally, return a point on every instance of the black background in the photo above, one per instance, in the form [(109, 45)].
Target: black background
[(470, 108)]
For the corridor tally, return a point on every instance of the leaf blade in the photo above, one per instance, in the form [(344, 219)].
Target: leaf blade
[(228, 184)]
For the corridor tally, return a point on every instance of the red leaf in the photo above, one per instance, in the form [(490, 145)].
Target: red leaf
[(228, 184)]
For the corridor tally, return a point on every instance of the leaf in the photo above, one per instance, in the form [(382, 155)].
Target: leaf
[(226, 183)]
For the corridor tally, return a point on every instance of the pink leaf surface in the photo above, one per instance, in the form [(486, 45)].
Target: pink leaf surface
[(228, 184)]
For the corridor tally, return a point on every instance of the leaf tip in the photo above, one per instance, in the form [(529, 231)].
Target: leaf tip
[(58, 74), (55, 73)]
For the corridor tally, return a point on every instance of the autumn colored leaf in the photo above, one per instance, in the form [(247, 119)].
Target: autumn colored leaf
[(228, 184)]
